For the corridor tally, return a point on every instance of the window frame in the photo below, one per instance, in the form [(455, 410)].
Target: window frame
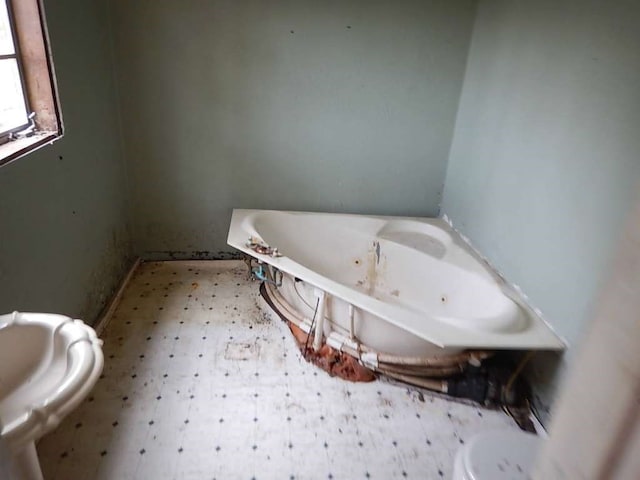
[(37, 76)]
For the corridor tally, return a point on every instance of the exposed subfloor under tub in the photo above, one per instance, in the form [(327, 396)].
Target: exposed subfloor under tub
[(202, 382)]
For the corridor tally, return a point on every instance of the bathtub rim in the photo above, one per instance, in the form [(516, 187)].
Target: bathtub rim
[(539, 335)]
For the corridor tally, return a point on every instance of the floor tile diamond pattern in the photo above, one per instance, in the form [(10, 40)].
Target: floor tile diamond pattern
[(202, 381)]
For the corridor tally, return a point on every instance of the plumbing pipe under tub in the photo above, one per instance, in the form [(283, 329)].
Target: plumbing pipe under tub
[(317, 335), (434, 366), (444, 361), (440, 373), (433, 362), (351, 327), (436, 385)]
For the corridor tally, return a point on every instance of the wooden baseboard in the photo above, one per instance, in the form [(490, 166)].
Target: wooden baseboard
[(115, 301)]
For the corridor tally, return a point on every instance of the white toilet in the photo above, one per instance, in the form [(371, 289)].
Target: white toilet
[(497, 455), (48, 364)]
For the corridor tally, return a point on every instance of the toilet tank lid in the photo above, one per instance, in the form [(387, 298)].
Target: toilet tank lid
[(501, 455)]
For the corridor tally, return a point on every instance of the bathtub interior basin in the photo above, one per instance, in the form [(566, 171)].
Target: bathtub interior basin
[(416, 275), (48, 364)]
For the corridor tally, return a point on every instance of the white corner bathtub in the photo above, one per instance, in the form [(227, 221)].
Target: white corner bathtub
[(403, 286)]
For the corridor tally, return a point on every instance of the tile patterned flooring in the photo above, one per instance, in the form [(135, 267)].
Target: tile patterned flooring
[(202, 381)]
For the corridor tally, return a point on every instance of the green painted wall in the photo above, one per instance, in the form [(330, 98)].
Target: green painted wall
[(64, 241), (343, 106), (333, 106), (544, 160)]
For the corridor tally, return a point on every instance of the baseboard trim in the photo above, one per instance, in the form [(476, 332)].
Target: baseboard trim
[(115, 301)]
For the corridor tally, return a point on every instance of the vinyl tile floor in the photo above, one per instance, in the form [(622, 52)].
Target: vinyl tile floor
[(202, 381)]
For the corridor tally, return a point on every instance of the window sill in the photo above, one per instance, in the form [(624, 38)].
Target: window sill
[(17, 148)]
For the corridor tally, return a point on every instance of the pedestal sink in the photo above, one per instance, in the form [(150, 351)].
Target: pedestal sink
[(48, 365)]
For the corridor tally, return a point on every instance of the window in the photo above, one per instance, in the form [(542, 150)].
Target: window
[(29, 114), (13, 103)]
